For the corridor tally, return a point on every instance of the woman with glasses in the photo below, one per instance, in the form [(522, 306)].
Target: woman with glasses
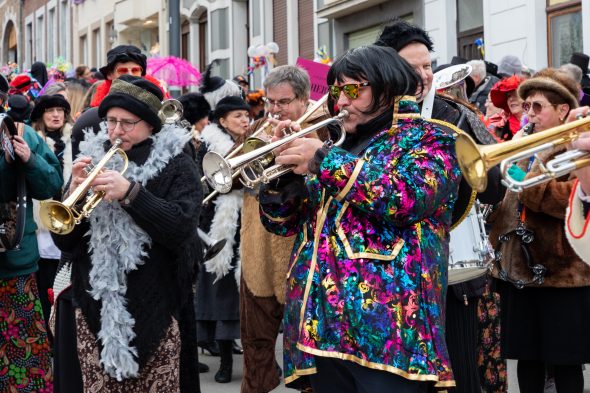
[(366, 284), (505, 97), (218, 312), (133, 258), (49, 118), (544, 285)]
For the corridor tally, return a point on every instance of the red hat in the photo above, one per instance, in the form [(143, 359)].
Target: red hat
[(499, 92), (21, 83)]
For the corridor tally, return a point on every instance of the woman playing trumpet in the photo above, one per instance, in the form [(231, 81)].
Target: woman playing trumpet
[(132, 261), (544, 286)]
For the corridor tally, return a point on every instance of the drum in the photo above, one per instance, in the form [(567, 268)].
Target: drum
[(470, 251)]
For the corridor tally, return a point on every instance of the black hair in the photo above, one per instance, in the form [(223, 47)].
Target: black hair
[(387, 73), (195, 107), (399, 33)]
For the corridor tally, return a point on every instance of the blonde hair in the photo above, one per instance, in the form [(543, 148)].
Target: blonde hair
[(76, 94)]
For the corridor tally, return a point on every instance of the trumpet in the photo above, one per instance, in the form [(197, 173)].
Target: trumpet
[(250, 174), (62, 217), (220, 172), (475, 160)]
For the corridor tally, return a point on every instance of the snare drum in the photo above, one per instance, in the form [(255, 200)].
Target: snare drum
[(470, 251)]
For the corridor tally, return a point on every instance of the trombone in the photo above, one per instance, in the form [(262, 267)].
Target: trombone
[(252, 143), (475, 160), (62, 217), (220, 172)]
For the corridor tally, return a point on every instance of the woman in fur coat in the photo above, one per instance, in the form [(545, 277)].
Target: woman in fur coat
[(218, 314), (49, 118), (544, 286), (134, 256)]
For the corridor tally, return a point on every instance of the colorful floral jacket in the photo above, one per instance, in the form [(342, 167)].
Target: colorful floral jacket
[(368, 276)]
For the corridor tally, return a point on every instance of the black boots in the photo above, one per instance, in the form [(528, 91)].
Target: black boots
[(225, 368)]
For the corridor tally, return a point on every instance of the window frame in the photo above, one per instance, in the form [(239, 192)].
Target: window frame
[(555, 11)]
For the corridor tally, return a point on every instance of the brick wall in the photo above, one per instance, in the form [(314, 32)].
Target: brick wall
[(279, 13), (305, 17)]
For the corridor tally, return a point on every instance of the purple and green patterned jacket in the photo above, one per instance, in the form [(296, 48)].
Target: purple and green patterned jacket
[(368, 273)]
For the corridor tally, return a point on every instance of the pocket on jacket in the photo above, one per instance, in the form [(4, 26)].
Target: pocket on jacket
[(366, 242)]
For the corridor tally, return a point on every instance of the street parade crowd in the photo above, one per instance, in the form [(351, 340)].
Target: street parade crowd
[(408, 232)]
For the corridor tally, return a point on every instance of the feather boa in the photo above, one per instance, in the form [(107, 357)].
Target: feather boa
[(227, 211), (111, 225)]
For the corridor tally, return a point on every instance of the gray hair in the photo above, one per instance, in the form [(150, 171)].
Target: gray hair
[(55, 88), (295, 76), (478, 68), (573, 71)]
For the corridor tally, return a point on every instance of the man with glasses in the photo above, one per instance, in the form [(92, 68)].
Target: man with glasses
[(265, 257)]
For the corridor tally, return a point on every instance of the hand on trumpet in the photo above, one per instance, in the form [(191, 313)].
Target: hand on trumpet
[(582, 143), (79, 172), (114, 185), (299, 152)]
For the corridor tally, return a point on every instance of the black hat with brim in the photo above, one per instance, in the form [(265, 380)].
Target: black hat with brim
[(123, 54), (229, 104), (45, 102)]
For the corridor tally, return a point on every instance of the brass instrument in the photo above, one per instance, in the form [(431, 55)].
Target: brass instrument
[(220, 172), (62, 217), (171, 111), (475, 160), (251, 172)]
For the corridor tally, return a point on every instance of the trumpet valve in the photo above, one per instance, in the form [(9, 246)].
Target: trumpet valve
[(88, 169)]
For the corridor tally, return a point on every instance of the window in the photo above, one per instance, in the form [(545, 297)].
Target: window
[(64, 30), (564, 30), (325, 37), (362, 37), (219, 37), (51, 41), (39, 34), (256, 16), (83, 50), (29, 44), (469, 28), (97, 46)]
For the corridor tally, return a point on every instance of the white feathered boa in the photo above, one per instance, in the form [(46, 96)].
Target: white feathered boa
[(228, 208), (117, 246)]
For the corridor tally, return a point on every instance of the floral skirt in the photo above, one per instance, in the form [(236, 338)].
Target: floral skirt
[(25, 354), (160, 374)]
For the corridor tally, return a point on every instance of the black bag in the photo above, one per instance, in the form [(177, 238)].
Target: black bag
[(12, 213)]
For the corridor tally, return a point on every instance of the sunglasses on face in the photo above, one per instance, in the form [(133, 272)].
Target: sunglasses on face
[(130, 70), (351, 90), (537, 106)]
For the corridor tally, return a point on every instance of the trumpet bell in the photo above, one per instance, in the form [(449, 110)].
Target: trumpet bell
[(57, 217), (218, 172), (471, 159)]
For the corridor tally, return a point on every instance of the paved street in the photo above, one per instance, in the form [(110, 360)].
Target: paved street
[(208, 384)]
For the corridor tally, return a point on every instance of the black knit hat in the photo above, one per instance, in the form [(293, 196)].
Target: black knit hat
[(195, 107), (581, 60), (49, 101), (123, 54), (19, 108), (228, 104), (136, 95), (399, 33)]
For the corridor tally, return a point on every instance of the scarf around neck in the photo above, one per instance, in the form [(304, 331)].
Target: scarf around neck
[(111, 225)]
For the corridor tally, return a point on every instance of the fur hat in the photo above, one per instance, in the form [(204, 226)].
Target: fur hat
[(400, 33), (122, 54), (510, 65), (499, 92), (136, 95), (229, 104), (195, 107), (550, 79), (49, 101), (19, 108), (581, 60), (215, 88)]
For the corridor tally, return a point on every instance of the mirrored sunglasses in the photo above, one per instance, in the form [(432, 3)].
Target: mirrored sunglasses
[(351, 90)]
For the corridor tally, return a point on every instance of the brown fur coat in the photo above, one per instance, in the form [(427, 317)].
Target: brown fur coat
[(545, 208), (266, 256)]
